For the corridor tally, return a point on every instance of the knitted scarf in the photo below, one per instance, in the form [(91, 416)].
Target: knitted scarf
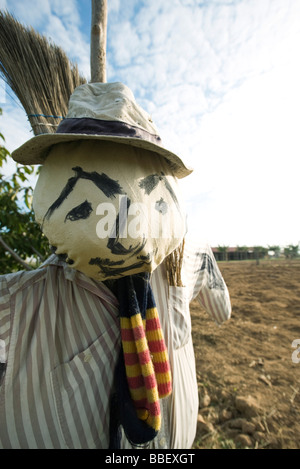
[(143, 373)]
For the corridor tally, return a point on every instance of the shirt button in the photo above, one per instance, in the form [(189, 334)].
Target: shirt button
[(162, 442)]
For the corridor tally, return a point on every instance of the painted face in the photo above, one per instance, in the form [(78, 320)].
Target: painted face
[(111, 210)]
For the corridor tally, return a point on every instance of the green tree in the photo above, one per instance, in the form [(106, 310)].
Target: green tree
[(242, 252), (275, 249), (291, 251), (259, 252), (223, 250), (22, 244)]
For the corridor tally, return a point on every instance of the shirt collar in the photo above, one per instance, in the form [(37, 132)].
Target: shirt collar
[(95, 287)]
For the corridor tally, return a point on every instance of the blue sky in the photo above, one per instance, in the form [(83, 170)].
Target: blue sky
[(221, 81)]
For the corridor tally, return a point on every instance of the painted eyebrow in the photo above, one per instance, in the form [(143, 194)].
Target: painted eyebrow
[(108, 186), (149, 183)]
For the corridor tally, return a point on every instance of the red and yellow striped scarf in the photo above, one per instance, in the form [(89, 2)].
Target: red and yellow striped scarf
[(144, 350)]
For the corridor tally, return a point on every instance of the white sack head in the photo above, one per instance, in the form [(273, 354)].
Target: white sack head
[(110, 209)]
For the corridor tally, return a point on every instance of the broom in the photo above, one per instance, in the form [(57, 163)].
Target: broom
[(38, 72)]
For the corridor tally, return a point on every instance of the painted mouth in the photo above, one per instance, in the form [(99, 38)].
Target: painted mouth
[(110, 268)]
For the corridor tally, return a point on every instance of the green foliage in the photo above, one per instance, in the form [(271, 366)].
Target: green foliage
[(275, 249), (260, 251), (223, 250), (18, 230), (291, 251)]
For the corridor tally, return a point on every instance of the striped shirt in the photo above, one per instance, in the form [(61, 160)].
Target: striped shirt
[(59, 343)]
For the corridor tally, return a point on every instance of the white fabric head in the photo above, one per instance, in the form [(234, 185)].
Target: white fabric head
[(111, 209)]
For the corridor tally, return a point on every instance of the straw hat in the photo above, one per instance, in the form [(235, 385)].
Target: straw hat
[(102, 111)]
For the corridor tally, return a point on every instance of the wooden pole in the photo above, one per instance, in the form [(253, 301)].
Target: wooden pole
[(98, 41)]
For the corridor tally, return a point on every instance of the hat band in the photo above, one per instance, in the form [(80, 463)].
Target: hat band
[(89, 126)]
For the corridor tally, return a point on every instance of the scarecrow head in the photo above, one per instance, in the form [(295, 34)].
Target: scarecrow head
[(107, 197)]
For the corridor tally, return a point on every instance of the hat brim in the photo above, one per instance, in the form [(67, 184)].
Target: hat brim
[(35, 150)]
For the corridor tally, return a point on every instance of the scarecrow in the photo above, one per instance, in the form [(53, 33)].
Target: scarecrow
[(97, 342)]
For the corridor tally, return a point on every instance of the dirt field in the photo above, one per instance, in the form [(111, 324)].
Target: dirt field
[(249, 386)]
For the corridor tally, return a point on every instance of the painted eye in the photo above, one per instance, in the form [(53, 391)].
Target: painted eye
[(81, 212), (161, 206)]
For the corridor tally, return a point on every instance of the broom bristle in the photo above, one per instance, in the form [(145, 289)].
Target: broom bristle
[(173, 266), (38, 72)]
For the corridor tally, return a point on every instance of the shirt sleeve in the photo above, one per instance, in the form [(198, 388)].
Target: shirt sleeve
[(4, 319), (206, 282)]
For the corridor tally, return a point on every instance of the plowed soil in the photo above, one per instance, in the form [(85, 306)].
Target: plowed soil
[(248, 371)]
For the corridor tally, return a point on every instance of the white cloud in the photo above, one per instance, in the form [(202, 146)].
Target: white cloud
[(123, 48), (66, 10), (32, 13), (14, 126), (247, 160), (68, 36)]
